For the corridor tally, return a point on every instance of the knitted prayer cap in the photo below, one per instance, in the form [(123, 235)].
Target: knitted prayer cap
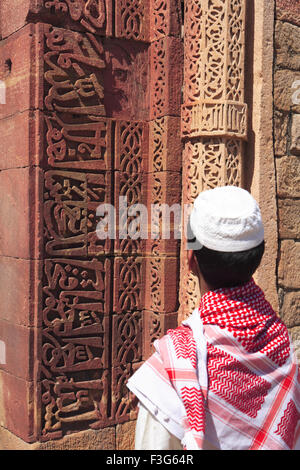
[(226, 219)]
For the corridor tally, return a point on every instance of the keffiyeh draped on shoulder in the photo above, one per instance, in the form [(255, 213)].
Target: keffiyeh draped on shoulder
[(227, 375)]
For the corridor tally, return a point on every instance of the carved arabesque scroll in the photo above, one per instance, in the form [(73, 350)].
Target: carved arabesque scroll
[(214, 114)]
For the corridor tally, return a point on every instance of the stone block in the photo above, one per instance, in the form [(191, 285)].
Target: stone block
[(290, 309), (295, 134), (132, 20), (21, 142), (13, 15), (164, 214), (102, 439), (165, 19), (288, 176), (70, 217), (129, 282), (21, 70), (20, 213), (155, 326), (166, 69), (286, 96), (162, 282), (126, 338), (123, 404), (289, 218), (287, 44), (165, 144), (288, 10), (17, 401), (19, 344), (295, 337), (132, 215), (289, 264), (281, 122), (125, 436), (20, 291)]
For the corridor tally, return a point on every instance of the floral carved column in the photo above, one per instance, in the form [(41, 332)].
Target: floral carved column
[(214, 114)]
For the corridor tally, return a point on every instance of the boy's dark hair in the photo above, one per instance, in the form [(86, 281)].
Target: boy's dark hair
[(228, 269)]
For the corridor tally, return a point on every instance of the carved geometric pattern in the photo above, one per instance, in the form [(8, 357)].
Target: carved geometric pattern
[(214, 50), (159, 71), (96, 149), (214, 115), (159, 17), (288, 423), (127, 331), (129, 161), (210, 163), (193, 48), (128, 284), (235, 383), (131, 19), (235, 51)]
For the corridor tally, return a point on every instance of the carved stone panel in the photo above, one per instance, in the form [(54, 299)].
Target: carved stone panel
[(214, 114)]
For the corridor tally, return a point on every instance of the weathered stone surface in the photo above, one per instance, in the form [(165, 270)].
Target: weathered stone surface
[(281, 121), (288, 176), (287, 44), (289, 218), (20, 195), (103, 439), (162, 276), (19, 342), (97, 19), (21, 69), (295, 134), (295, 337), (261, 178), (17, 397), (290, 309), (19, 291), (166, 57), (284, 92), (165, 144), (21, 140), (155, 325), (13, 15), (288, 10), (289, 264), (125, 434)]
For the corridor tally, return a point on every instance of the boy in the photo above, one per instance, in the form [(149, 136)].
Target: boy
[(226, 378)]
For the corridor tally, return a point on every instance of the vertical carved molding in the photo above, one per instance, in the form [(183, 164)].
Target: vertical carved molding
[(96, 149), (166, 64), (214, 115)]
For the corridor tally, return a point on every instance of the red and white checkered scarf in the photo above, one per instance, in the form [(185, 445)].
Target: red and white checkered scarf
[(227, 375)]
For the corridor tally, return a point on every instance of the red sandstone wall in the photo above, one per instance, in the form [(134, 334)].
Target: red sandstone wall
[(92, 112), (287, 152)]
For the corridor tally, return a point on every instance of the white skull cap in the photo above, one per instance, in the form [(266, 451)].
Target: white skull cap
[(226, 219)]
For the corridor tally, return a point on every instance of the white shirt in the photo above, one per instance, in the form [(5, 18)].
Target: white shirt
[(151, 435)]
